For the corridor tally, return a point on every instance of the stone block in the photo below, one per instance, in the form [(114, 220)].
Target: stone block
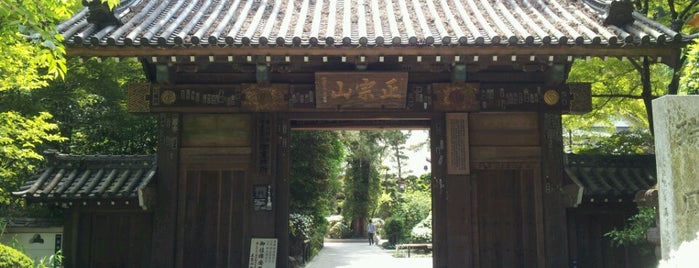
[(676, 120)]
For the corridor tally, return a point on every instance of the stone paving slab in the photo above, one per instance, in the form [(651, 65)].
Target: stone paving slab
[(359, 254)]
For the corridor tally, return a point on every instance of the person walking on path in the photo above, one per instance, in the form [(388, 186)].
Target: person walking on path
[(370, 228)]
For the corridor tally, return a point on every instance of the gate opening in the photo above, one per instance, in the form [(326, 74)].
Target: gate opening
[(345, 173)]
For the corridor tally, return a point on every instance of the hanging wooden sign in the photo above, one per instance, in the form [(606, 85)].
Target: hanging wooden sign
[(383, 90), (200, 96), (457, 139), (265, 97), (456, 97)]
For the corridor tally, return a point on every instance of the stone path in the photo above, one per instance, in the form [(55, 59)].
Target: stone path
[(358, 254)]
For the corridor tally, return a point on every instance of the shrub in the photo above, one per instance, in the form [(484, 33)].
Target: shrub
[(394, 229), (302, 228), (339, 230), (12, 258), (635, 232), (333, 219), (422, 232), (413, 208)]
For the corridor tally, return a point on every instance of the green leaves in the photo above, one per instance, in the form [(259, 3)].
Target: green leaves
[(31, 49), (635, 232), (690, 79), (20, 139)]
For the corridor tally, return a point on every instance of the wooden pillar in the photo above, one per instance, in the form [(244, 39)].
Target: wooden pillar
[(458, 191), (281, 229), (439, 211), (451, 192), (555, 233), (270, 166), (164, 219)]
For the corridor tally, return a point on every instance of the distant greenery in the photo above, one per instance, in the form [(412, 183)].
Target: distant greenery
[(339, 230), (314, 184), (361, 182), (394, 230), (620, 143), (635, 232)]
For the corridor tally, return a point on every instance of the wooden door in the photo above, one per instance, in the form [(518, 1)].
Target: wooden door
[(505, 228), (211, 227), (114, 239)]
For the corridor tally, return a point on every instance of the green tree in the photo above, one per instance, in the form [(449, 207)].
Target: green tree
[(675, 14), (638, 141), (31, 55), (90, 108), (315, 171), (361, 188), (31, 49), (627, 88), (314, 183), (21, 138), (413, 207), (395, 141), (690, 79), (82, 114)]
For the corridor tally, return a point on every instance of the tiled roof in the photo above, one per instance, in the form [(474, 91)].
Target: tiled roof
[(32, 222), (613, 175), (90, 177), (187, 24)]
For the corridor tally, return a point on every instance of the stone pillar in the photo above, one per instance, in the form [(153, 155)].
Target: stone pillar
[(676, 121)]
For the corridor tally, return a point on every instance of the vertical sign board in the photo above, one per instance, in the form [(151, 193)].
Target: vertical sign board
[(263, 253), (457, 144), (57, 247)]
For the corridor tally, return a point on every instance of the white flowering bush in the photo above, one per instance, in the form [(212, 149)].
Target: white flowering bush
[(422, 232)]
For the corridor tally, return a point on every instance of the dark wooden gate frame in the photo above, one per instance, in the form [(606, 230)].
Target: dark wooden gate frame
[(550, 214)]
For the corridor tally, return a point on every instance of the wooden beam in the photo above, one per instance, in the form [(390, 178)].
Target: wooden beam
[(666, 52)]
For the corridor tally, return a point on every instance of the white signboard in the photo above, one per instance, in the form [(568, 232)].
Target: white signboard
[(263, 253)]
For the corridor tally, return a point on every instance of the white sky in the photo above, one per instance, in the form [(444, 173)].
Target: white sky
[(417, 160)]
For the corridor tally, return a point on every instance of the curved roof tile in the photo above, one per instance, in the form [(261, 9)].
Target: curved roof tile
[(90, 177), (612, 175), (352, 23)]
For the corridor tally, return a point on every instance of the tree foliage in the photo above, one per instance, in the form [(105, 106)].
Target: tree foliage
[(626, 88), (617, 92), (315, 171), (83, 114), (395, 141), (314, 183), (627, 142), (690, 78), (635, 232), (89, 107), (20, 140), (31, 49), (361, 182)]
